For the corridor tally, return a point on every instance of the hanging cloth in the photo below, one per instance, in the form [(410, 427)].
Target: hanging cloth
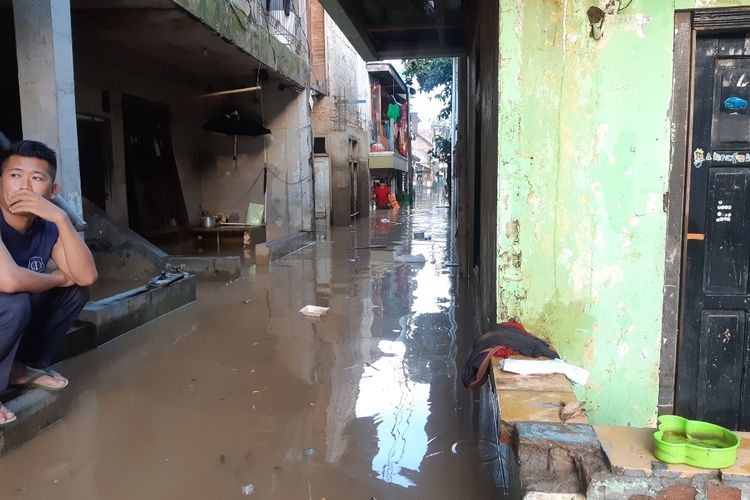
[(394, 111)]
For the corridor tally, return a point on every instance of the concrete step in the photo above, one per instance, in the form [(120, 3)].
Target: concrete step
[(126, 311), (80, 338), (36, 410)]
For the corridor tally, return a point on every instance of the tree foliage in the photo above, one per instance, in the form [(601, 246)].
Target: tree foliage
[(441, 149), (432, 74)]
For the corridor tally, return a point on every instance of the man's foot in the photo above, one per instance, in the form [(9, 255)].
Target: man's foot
[(24, 376), (6, 416)]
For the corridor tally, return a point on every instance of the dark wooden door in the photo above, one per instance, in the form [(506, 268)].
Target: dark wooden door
[(714, 351), (94, 160), (156, 205)]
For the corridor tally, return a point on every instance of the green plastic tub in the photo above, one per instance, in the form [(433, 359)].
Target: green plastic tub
[(700, 444)]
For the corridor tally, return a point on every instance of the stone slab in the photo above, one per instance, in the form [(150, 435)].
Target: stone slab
[(542, 383), (535, 406)]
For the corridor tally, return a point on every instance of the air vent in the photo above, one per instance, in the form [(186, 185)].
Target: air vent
[(721, 19)]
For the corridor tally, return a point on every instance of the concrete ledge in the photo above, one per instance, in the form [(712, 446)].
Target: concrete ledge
[(36, 410), (556, 458), (273, 250), (210, 268), (121, 313), (568, 461), (80, 338)]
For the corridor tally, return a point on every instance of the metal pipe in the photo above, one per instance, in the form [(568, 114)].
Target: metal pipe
[(78, 223)]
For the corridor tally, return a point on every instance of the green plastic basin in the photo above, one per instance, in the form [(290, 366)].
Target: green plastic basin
[(700, 444)]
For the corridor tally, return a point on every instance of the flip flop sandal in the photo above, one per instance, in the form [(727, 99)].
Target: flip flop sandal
[(32, 381), (15, 417)]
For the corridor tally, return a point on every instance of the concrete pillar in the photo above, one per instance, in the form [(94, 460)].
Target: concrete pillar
[(45, 78)]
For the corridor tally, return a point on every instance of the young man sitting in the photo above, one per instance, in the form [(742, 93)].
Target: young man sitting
[(37, 307)]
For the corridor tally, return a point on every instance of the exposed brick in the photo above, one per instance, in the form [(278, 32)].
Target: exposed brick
[(720, 492), (640, 497), (677, 492)]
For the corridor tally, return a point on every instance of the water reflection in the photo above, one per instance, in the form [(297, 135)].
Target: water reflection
[(413, 303), (363, 403), (399, 407)]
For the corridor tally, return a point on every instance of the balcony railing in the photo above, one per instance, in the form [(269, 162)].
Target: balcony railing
[(282, 19)]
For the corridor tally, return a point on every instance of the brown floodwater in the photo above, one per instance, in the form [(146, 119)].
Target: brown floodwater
[(239, 396)]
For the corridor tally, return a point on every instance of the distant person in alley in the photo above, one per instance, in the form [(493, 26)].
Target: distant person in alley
[(381, 194), (37, 304)]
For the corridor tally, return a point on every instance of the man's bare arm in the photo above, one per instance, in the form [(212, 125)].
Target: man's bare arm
[(72, 255), (70, 252), (15, 279)]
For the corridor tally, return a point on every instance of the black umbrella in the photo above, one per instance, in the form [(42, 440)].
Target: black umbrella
[(232, 124)]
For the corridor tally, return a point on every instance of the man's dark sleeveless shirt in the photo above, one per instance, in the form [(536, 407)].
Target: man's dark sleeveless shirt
[(31, 250)]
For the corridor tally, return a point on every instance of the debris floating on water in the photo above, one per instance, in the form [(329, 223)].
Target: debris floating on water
[(415, 259), (248, 489), (314, 311)]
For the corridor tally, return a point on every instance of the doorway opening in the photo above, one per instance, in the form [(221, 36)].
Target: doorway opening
[(156, 205), (95, 159), (713, 357)]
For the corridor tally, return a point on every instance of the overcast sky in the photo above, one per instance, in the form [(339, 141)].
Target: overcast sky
[(424, 104)]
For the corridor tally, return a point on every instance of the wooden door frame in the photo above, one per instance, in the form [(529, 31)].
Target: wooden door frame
[(677, 197)]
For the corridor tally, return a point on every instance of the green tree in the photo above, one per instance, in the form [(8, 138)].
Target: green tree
[(432, 74), (441, 149)]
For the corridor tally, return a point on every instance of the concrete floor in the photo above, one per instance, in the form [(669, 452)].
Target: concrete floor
[(238, 395)]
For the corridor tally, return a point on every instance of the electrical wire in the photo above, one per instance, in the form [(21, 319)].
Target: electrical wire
[(620, 8)]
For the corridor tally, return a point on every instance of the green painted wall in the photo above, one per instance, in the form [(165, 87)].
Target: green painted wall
[(584, 131), (584, 158)]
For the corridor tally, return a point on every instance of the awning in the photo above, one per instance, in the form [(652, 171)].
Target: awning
[(387, 160)]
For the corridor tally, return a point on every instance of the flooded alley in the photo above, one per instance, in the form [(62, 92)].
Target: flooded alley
[(238, 395)]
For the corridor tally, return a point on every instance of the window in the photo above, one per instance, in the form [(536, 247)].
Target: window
[(319, 145)]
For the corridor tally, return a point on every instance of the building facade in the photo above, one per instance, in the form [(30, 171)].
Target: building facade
[(127, 91), (341, 121), (600, 163), (390, 135)]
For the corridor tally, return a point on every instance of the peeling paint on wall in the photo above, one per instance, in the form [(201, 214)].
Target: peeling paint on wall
[(584, 158)]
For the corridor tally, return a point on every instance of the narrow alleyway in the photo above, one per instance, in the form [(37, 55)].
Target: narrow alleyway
[(238, 394)]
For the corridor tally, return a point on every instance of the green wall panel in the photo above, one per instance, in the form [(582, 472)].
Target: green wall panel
[(584, 158)]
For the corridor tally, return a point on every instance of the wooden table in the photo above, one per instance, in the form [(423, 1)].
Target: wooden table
[(222, 229)]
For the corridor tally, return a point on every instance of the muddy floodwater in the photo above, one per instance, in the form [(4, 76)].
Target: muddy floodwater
[(239, 396)]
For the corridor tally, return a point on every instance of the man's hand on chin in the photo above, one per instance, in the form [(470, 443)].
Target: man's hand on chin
[(25, 201)]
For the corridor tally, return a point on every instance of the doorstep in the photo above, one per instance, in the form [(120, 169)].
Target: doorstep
[(556, 460), (576, 460), (629, 452)]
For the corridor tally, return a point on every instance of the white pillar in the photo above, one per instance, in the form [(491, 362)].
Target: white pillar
[(45, 78)]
